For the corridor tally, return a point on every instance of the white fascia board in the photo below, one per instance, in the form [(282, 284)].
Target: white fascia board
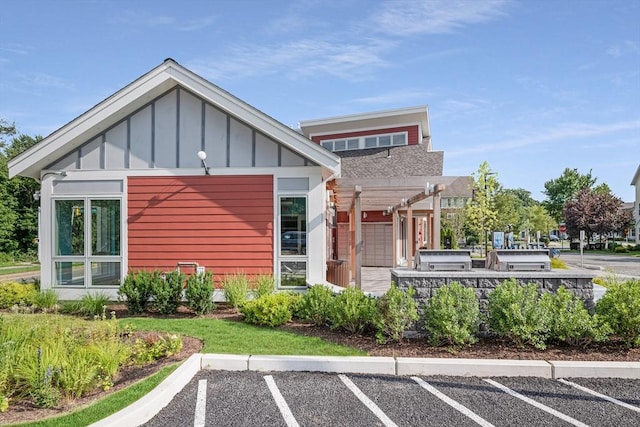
[(636, 176), (89, 124), (254, 117), (363, 129)]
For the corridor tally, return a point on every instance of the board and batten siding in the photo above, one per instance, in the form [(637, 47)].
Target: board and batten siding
[(224, 223), (412, 134)]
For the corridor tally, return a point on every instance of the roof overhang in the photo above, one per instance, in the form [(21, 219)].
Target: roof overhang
[(142, 91), (636, 177), (378, 119)]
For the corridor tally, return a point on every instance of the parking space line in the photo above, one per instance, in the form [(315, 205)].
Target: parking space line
[(201, 404), (537, 404), (449, 401), (282, 404), (600, 395), (367, 402)]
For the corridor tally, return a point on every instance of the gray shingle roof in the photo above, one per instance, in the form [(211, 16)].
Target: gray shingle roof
[(408, 160)]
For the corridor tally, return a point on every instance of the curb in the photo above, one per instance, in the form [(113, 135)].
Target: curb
[(148, 406)]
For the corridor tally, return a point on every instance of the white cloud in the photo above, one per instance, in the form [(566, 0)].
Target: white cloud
[(409, 17), (15, 48), (562, 132), (628, 47), (395, 97), (143, 19)]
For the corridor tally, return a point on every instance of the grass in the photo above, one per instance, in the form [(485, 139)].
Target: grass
[(107, 406), (14, 270), (223, 336)]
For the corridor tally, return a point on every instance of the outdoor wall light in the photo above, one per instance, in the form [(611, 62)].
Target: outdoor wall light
[(203, 156)]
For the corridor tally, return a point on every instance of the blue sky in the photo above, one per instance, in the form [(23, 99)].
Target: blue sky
[(530, 86)]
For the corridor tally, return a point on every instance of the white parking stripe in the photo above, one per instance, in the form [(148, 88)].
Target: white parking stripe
[(449, 401), (201, 404), (537, 404), (282, 404), (367, 402), (600, 395)]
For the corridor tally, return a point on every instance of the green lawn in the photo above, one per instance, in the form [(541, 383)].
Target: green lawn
[(18, 269), (223, 336)]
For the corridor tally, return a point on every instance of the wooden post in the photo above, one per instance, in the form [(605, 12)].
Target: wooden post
[(358, 236), (411, 239)]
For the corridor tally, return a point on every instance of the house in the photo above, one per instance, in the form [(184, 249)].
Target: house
[(392, 176), (636, 207), (172, 171)]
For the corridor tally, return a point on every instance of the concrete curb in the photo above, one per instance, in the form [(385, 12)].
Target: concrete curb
[(350, 364), (584, 369), (474, 367), (145, 408)]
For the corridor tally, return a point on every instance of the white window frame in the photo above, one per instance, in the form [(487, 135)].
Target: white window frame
[(291, 258), (87, 258), (330, 144)]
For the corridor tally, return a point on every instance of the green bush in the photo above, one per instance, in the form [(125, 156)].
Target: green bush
[(396, 311), (47, 300), (570, 322), (167, 293), (452, 316), (515, 313), (235, 287), (199, 293), (137, 289), (353, 311), (93, 305), (316, 305), (270, 310), (264, 285), (12, 293), (155, 346), (620, 249), (620, 308)]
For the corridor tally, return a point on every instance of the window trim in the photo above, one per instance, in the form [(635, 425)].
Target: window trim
[(87, 258), (291, 258), (330, 144)]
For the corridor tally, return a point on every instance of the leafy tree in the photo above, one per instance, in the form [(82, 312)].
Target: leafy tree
[(595, 212), (561, 190), (481, 213), (540, 220), (510, 209), (18, 208)]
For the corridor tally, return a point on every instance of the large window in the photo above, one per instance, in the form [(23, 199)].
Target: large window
[(293, 241), (87, 248)]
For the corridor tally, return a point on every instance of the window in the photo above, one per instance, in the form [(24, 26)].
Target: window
[(87, 248), (293, 241), (371, 141)]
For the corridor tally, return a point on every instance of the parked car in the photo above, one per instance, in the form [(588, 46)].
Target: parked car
[(293, 243), (554, 238)]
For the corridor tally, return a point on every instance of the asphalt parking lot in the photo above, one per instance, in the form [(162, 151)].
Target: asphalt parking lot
[(221, 398)]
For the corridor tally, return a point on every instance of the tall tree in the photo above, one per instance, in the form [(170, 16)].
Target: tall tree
[(481, 213), (561, 190), (595, 212)]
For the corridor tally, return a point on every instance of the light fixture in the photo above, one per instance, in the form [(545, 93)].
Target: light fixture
[(203, 156)]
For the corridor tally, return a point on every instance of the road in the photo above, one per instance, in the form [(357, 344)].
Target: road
[(314, 399), (624, 266)]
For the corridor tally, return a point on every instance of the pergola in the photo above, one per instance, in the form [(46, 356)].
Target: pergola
[(392, 196)]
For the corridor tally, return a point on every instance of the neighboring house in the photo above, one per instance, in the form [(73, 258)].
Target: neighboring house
[(123, 188), (389, 166), (636, 207)]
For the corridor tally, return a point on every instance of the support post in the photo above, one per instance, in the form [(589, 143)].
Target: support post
[(358, 236), (411, 238)]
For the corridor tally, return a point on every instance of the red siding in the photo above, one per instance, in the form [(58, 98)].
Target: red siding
[(372, 216), (224, 223), (412, 137)]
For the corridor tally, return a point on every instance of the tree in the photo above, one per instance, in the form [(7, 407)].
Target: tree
[(510, 209), (563, 189), (481, 213), (18, 208), (540, 220), (595, 212)]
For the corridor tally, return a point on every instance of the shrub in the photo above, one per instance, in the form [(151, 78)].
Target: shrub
[(264, 285), (352, 311), (167, 293), (620, 308), (620, 249), (316, 305), (396, 310), (137, 289), (570, 322), (155, 346), (514, 313), (557, 263), (47, 300), (199, 293), (452, 316), (235, 287), (90, 305), (12, 293), (270, 310)]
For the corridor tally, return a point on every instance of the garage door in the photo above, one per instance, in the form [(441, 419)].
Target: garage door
[(378, 245)]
